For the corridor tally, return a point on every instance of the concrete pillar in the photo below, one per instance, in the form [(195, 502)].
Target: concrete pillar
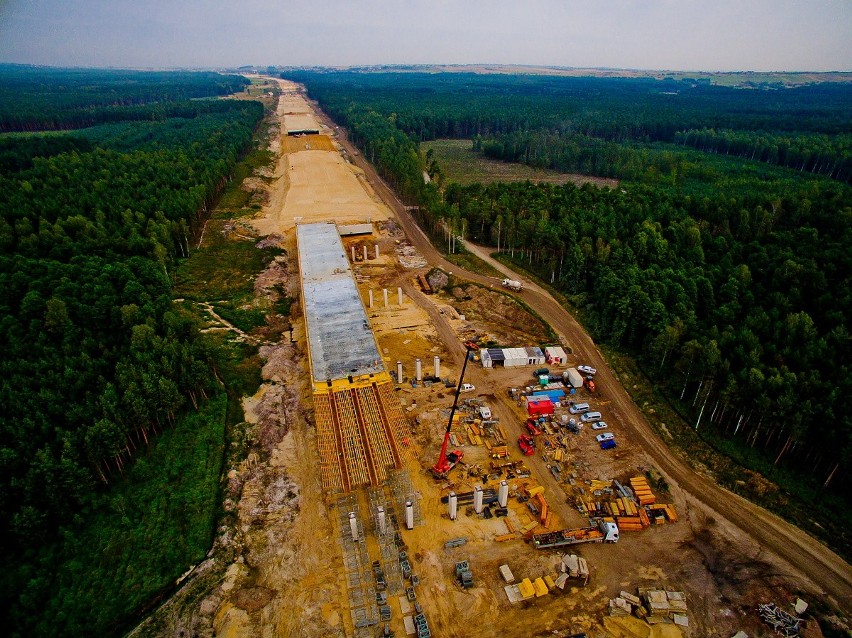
[(399, 295), (371, 298), (418, 367), (503, 493), (399, 372), (381, 517), (353, 254), (377, 251), (454, 506), (385, 292), (477, 499), (365, 252), (353, 525), (437, 367), (409, 515)]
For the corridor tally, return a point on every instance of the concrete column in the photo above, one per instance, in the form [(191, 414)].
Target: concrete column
[(437, 367), (365, 252), (418, 369), (503, 493), (353, 254), (371, 298), (409, 515), (399, 372), (381, 517), (353, 525), (377, 251), (477, 499), (399, 295), (454, 506), (385, 292)]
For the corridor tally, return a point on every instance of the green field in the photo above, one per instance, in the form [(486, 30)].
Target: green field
[(461, 164)]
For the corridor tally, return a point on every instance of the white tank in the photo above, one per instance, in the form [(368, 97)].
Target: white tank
[(477, 499), (353, 525), (454, 506), (503, 493), (409, 515)]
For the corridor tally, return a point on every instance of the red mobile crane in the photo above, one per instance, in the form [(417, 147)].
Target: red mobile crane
[(448, 460)]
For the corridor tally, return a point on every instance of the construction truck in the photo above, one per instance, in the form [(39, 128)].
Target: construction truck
[(512, 284), (603, 532), (527, 444), (589, 384)]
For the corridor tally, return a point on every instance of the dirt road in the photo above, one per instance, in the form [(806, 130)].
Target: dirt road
[(829, 575)]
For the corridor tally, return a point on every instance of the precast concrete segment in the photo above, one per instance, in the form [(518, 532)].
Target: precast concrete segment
[(340, 340)]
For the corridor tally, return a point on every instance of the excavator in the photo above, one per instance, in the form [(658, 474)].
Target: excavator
[(448, 460)]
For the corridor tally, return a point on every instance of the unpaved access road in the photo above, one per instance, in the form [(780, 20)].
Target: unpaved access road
[(829, 574)]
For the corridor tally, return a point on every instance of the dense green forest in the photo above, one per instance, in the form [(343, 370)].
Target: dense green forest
[(96, 362), (723, 261)]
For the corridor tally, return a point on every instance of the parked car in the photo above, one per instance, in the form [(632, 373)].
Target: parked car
[(468, 387), (577, 408), (587, 369), (591, 416), (606, 436), (608, 445), (600, 425)]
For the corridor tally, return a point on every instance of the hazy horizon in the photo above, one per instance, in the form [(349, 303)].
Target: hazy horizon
[(670, 35)]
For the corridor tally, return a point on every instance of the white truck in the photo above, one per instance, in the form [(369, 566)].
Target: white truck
[(512, 284)]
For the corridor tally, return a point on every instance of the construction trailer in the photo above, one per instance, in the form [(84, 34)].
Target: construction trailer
[(554, 355), (573, 377), (514, 357), (535, 356), (492, 357), (539, 406)]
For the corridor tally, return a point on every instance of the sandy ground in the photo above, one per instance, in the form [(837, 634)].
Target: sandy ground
[(278, 552), (312, 181)]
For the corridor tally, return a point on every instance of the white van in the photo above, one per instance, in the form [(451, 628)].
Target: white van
[(591, 416), (485, 412), (579, 408), (468, 387)]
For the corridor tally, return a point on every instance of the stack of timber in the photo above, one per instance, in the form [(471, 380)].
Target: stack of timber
[(642, 490)]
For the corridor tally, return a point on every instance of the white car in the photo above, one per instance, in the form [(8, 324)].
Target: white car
[(468, 387), (606, 436), (600, 425), (587, 370)]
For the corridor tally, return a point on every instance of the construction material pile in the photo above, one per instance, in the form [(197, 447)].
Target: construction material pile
[(409, 257), (783, 623), (633, 508), (652, 605)]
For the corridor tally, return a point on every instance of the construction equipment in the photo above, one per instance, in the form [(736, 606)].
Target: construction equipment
[(533, 427), (527, 444), (512, 284), (604, 532), (448, 460), (589, 384)]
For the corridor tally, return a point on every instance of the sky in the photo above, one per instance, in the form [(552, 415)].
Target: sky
[(698, 35)]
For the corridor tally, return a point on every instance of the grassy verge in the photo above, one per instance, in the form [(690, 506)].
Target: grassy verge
[(461, 164), (471, 262), (142, 534)]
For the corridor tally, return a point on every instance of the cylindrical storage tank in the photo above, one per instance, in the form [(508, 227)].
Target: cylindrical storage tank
[(381, 519), (477, 499), (409, 515), (418, 368), (564, 419), (503, 493), (437, 367), (353, 525), (454, 506), (399, 372)]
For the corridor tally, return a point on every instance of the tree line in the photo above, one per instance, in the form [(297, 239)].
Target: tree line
[(95, 359)]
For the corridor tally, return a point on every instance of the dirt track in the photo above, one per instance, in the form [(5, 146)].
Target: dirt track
[(827, 573)]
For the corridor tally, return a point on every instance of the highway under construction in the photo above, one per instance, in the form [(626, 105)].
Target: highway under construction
[(362, 433)]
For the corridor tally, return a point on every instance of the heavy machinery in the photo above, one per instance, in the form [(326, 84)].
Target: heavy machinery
[(589, 384), (448, 460), (604, 532), (527, 444), (533, 427)]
